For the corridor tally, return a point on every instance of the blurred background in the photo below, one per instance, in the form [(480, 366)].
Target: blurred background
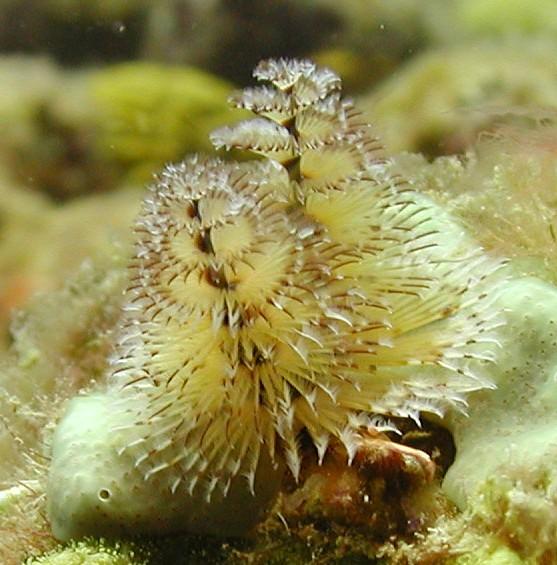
[(97, 95)]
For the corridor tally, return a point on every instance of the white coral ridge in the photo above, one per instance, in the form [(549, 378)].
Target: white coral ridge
[(270, 299)]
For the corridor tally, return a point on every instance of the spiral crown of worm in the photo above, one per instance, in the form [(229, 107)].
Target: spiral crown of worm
[(285, 294)]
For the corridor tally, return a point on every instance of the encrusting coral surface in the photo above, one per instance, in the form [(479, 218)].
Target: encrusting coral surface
[(270, 299)]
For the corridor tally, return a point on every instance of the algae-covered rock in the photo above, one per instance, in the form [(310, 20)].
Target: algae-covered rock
[(439, 101), (148, 114), (60, 345), (91, 552), (72, 133), (506, 16), (43, 244), (489, 556), (503, 192)]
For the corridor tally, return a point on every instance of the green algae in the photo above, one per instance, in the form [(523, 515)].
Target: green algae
[(439, 101), (495, 17), (73, 133), (93, 552), (502, 192), (499, 556), (148, 114)]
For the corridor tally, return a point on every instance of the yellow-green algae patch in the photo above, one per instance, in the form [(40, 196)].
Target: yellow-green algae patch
[(93, 552), (507, 16), (438, 102), (498, 556), (504, 472), (70, 133), (149, 114), (502, 191)]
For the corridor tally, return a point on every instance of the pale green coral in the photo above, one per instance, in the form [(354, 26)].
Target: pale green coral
[(503, 475), (91, 484), (506, 447)]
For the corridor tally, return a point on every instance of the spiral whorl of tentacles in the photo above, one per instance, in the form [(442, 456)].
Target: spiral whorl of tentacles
[(286, 294)]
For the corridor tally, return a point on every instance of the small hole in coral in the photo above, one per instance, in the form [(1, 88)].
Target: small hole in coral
[(104, 494)]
